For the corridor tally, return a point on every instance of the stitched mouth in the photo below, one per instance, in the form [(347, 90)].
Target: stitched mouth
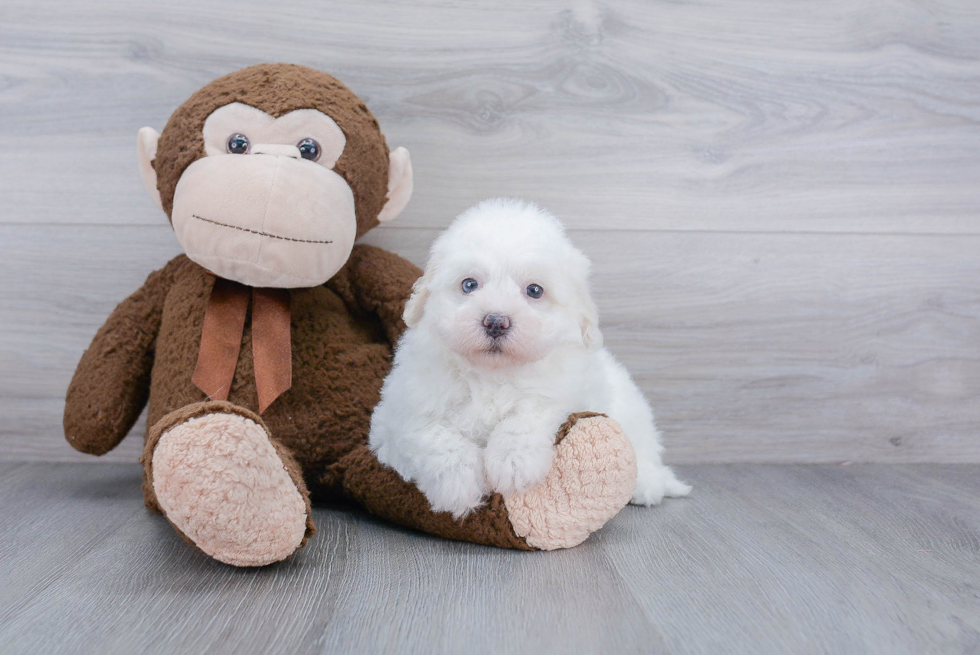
[(256, 232)]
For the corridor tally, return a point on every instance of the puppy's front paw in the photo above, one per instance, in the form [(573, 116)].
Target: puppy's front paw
[(517, 469), (655, 482), (457, 492)]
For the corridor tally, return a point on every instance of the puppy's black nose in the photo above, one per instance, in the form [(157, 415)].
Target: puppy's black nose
[(496, 325)]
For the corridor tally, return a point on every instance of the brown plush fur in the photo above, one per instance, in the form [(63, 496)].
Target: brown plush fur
[(343, 332), (112, 382), (278, 89), (342, 345), (342, 337), (341, 355), (381, 491)]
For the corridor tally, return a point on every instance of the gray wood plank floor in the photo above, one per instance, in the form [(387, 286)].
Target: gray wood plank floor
[(760, 559)]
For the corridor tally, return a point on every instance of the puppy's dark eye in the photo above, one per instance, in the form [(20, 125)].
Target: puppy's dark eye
[(238, 144), (309, 149), (534, 291), (470, 285)]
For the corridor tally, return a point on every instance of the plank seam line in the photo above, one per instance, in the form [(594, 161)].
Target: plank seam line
[(577, 229)]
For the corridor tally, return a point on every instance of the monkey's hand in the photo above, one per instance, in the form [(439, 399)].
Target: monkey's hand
[(112, 381), (378, 282)]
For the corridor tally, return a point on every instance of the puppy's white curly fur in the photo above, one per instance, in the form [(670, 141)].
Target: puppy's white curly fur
[(464, 414)]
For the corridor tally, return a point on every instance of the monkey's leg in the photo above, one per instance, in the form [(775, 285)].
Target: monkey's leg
[(593, 477), (227, 487)]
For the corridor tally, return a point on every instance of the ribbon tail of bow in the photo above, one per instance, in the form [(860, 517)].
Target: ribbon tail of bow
[(272, 351), (221, 338)]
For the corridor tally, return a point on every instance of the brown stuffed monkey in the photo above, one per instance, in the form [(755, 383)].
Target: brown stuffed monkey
[(262, 350)]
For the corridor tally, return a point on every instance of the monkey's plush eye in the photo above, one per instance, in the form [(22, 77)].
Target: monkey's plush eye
[(534, 291), (238, 144), (470, 285), (309, 149)]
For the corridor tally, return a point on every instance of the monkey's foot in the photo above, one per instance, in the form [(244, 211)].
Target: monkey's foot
[(226, 486), (593, 477)]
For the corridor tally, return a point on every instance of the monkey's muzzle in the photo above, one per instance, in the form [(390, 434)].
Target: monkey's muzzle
[(265, 220)]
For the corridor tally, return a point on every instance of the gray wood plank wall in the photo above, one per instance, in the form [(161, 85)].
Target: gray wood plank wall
[(782, 200)]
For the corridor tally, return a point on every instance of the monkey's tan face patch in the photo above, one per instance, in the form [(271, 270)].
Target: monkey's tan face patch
[(265, 220), (267, 217), (261, 129)]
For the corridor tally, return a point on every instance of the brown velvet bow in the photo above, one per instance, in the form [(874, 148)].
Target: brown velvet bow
[(221, 341)]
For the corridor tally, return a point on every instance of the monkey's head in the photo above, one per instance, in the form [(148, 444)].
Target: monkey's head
[(269, 174)]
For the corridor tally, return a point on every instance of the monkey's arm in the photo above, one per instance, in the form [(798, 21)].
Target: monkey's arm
[(112, 381), (377, 282)]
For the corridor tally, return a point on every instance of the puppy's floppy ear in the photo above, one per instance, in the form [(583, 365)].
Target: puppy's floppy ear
[(588, 312), (591, 336), (415, 307)]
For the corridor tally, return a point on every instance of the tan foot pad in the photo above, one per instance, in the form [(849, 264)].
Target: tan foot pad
[(219, 480), (593, 477)]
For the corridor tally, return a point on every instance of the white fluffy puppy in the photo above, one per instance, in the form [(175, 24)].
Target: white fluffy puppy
[(503, 344)]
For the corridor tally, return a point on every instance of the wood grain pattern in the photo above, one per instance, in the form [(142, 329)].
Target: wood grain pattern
[(830, 116), (751, 347), (760, 559), (781, 202)]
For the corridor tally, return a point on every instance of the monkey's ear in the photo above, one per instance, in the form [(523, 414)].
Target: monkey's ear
[(399, 184), (146, 151)]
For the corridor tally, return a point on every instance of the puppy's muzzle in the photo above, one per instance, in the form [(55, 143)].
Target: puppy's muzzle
[(496, 325)]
